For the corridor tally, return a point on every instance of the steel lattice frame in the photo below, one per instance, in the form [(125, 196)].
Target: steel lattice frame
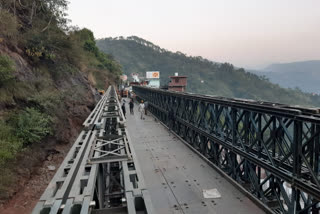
[(100, 173), (272, 150)]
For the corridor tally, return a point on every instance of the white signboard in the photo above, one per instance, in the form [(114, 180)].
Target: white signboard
[(154, 83), (153, 74)]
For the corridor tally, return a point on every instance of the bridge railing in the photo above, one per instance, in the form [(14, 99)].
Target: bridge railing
[(271, 149)]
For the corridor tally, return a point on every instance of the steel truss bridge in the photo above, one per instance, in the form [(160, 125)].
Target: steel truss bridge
[(100, 174), (272, 150)]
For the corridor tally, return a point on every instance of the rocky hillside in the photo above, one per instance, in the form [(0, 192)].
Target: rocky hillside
[(49, 76), (137, 55)]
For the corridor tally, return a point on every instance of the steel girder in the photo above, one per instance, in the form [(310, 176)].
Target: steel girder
[(271, 149), (100, 174)]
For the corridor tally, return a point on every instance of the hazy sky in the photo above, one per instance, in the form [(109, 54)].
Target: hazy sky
[(247, 33)]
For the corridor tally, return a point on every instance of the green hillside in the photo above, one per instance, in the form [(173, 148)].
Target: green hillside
[(48, 76), (138, 55)]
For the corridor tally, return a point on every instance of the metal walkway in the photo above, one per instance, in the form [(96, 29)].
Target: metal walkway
[(175, 176)]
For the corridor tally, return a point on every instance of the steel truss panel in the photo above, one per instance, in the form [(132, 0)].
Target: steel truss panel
[(100, 174), (271, 149), (109, 151), (97, 110)]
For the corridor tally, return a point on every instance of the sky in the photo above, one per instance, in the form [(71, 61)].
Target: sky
[(247, 33)]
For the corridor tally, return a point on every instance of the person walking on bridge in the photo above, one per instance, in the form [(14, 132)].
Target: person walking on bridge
[(123, 107), (146, 105), (141, 109), (131, 105)]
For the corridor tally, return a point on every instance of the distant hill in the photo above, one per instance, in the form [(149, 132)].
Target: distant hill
[(303, 66), (138, 55), (304, 75)]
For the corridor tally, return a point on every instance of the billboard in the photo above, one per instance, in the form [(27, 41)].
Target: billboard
[(153, 74)]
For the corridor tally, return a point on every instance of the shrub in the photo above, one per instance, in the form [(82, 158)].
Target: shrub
[(39, 46), (90, 46), (100, 77), (47, 100), (32, 125), (6, 96), (61, 70), (9, 143), (6, 70), (8, 26), (21, 90)]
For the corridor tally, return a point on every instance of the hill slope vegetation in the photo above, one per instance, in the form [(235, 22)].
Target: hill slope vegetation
[(48, 76), (204, 76)]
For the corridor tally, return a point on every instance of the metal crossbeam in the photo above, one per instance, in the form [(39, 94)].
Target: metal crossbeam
[(272, 149), (110, 151)]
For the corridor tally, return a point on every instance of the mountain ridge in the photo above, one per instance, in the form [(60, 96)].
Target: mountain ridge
[(137, 55), (304, 75), (313, 65)]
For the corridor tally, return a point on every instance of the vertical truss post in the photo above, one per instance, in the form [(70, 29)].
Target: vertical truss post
[(234, 142), (247, 142), (316, 164), (297, 149), (274, 134), (260, 140)]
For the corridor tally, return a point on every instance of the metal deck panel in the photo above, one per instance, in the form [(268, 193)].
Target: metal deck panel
[(175, 176)]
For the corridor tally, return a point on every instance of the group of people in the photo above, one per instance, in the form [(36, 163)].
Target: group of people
[(143, 108)]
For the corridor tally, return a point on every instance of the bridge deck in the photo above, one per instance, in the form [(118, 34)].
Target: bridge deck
[(175, 176)]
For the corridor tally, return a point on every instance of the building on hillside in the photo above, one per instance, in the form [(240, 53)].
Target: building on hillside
[(177, 83)]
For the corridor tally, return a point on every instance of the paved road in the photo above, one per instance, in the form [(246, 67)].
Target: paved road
[(175, 176)]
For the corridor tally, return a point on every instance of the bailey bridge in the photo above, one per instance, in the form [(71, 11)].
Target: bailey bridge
[(190, 154)]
